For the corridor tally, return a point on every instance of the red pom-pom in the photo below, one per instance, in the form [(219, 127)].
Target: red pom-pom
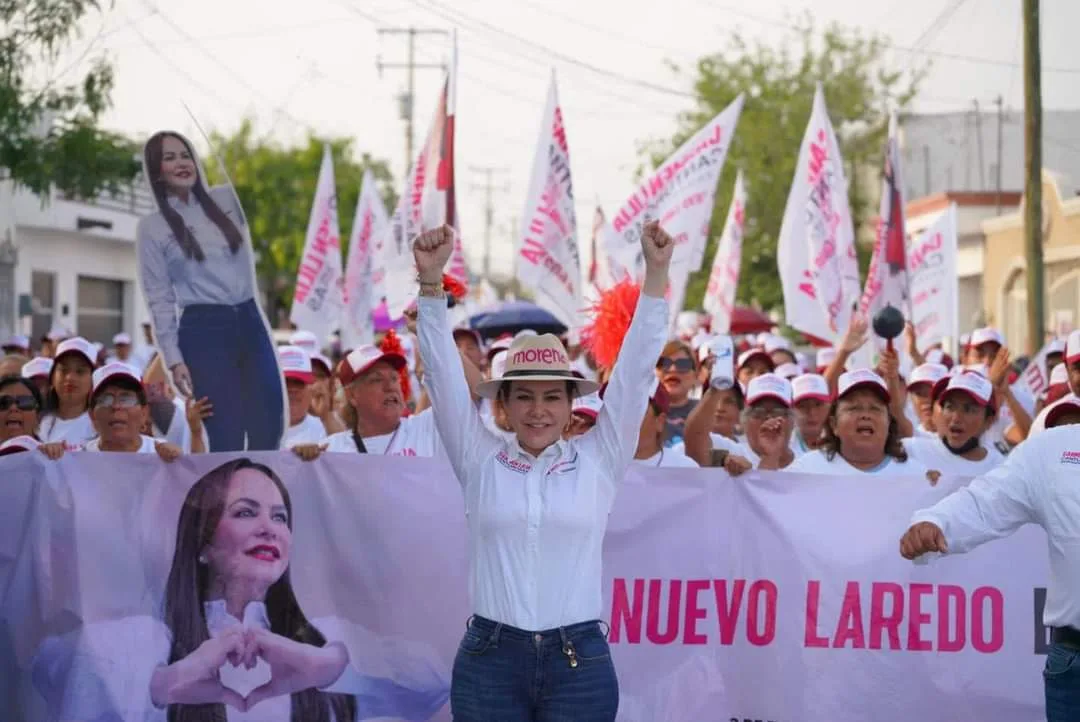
[(454, 288), (391, 343), (611, 316)]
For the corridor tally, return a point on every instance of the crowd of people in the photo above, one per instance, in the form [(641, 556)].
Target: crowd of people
[(512, 413)]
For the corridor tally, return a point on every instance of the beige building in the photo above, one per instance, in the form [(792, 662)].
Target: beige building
[(1004, 279)]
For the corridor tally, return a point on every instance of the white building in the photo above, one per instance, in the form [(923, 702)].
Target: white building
[(70, 263)]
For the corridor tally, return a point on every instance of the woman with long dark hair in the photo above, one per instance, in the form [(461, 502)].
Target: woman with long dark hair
[(196, 268), (66, 415), (235, 645)]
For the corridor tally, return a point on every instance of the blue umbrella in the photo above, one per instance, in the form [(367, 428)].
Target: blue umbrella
[(515, 316)]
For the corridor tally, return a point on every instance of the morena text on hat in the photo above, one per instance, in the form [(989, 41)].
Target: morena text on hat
[(539, 355)]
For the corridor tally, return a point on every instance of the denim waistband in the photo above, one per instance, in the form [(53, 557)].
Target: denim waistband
[(497, 630), (198, 311)]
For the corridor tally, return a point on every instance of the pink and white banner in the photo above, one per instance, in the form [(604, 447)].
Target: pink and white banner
[(934, 294), (365, 271), (548, 261), (318, 297), (887, 279), (724, 278), (680, 194), (769, 597), (819, 270)]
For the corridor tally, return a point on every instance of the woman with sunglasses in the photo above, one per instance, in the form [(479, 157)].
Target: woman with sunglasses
[(20, 413), (677, 373)]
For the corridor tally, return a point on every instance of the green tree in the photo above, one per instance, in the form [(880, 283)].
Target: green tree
[(276, 186), (48, 131), (779, 84)]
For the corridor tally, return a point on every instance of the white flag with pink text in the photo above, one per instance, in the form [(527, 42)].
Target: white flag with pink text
[(548, 261), (364, 273), (818, 267), (318, 298), (724, 278), (931, 266)]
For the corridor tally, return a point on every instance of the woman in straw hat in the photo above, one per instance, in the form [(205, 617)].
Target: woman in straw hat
[(537, 504)]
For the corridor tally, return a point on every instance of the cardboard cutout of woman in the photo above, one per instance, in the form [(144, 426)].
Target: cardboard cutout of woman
[(197, 273)]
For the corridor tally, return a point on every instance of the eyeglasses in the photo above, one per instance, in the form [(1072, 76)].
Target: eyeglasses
[(118, 401), (682, 365), (862, 410), (762, 413), (22, 403)]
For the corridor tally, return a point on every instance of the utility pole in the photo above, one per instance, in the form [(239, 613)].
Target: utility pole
[(1000, 119), (489, 189), (405, 100), (1033, 176), (979, 140)]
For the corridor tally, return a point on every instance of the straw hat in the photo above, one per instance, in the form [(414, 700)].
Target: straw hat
[(536, 358)]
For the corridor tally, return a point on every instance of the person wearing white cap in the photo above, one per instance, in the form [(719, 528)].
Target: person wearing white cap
[(305, 340), (11, 364), (767, 421), (920, 387), (1064, 414), (38, 370), (20, 414), (752, 363), (119, 410), (964, 409), (861, 434), (824, 359), (67, 407), (984, 346), (16, 344), (1037, 484), (1071, 361), (788, 371), (810, 398), (196, 268), (303, 427), (537, 505), (780, 351), (122, 350)]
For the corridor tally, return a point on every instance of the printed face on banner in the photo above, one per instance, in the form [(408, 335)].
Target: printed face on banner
[(196, 270)]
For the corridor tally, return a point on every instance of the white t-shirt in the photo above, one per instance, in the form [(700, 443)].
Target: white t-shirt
[(670, 457), (415, 436), (933, 454), (309, 431), (736, 448), (75, 431), (816, 462), (148, 446)]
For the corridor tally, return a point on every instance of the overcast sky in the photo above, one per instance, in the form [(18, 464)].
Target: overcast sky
[(307, 66)]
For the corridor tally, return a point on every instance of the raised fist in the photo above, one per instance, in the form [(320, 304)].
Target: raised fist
[(432, 249)]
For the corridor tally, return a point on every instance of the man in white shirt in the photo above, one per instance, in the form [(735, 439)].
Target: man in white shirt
[(118, 408), (1072, 367), (122, 352), (303, 427), (1037, 484)]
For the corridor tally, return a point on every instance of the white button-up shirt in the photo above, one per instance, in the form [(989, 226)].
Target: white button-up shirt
[(1039, 483), (536, 525)]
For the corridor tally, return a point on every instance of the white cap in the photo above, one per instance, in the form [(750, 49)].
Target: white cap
[(935, 356), (1056, 410), (39, 366), (927, 374), (1072, 347), (687, 323), (295, 363), (121, 338), (363, 358), (768, 386), (810, 386), (981, 369), (1056, 345), (117, 369), (861, 378), (498, 363), (318, 357), (1058, 377), (58, 333), (80, 346), (825, 357), (974, 385), (746, 356), (17, 341), (305, 340), (987, 335), (788, 371), (499, 344), (804, 362), (777, 343), (17, 444), (588, 405)]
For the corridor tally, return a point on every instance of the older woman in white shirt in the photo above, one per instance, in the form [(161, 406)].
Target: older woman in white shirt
[(537, 505)]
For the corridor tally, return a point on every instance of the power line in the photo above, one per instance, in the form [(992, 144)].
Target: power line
[(937, 24)]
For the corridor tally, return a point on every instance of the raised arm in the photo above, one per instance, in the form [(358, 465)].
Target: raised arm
[(466, 439), (627, 395), (696, 437)]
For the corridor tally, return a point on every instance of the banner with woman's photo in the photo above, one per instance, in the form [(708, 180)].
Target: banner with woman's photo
[(132, 589)]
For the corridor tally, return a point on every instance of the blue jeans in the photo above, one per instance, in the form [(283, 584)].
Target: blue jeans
[(505, 674), (1061, 678), (232, 361)]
